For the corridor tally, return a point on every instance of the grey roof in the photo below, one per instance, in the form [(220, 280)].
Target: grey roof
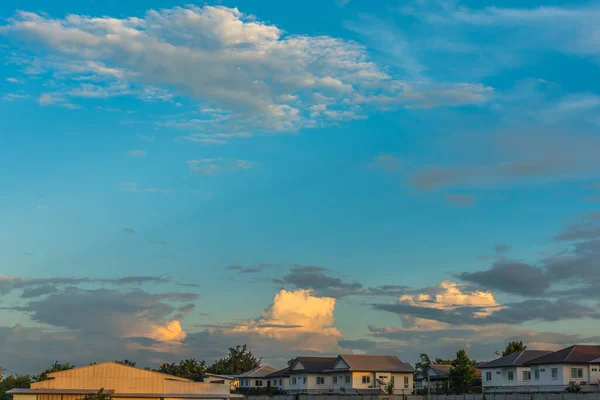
[(171, 395), (442, 370), (219, 376), (374, 363), (576, 354), (259, 372), (312, 364), (280, 373), (60, 391), (516, 359)]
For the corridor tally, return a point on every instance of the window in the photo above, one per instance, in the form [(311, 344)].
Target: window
[(576, 373), (526, 375), (335, 380), (320, 380), (366, 379), (293, 381), (511, 375), (488, 376), (347, 378), (258, 383), (554, 373), (281, 382), (536, 374), (594, 369), (406, 382), (304, 380), (543, 370)]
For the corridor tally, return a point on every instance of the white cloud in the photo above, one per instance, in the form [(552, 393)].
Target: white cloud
[(14, 96), (134, 187), (230, 60), (14, 80), (136, 154), (146, 138), (213, 166)]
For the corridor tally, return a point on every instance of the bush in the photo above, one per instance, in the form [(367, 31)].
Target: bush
[(573, 388), (261, 391)]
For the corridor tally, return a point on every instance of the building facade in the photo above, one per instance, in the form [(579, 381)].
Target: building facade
[(256, 378), (120, 382)]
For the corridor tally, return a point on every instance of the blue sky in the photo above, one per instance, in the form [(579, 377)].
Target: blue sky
[(201, 175)]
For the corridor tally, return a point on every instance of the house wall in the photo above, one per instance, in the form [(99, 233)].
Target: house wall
[(341, 384), (500, 377), (252, 382)]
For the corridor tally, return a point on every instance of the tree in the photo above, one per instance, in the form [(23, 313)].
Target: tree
[(189, 369), (425, 365), (461, 373), (56, 367), (127, 362), (441, 361), (100, 395), (13, 382), (513, 347), (239, 360)]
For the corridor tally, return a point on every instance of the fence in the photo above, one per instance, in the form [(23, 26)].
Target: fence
[(488, 396)]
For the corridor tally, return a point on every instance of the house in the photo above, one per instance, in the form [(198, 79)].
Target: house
[(439, 377), (577, 364), (280, 379), (121, 382), (365, 374), (220, 380), (307, 375), (256, 377), (510, 373)]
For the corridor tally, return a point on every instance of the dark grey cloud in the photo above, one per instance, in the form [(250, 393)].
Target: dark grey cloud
[(128, 230), (588, 227), (42, 285), (501, 248), (435, 178), (37, 291), (249, 270), (510, 277), (510, 313), (359, 344)]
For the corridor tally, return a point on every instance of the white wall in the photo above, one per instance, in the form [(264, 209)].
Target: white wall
[(252, 382)]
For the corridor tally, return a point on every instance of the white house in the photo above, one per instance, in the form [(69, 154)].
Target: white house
[(578, 364), (304, 375), (220, 380), (370, 374), (510, 373), (256, 377)]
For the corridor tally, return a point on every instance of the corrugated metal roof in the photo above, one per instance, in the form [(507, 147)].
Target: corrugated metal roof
[(59, 391), (313, 364), (259, 372), (72, 370)]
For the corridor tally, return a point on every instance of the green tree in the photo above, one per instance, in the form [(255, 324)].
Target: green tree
[(239, 360), (56, 367), (127, 362), (99, 396), (513, 347), (424, 362), (189, 369), (462, 373), (13, 382), (441, 361)]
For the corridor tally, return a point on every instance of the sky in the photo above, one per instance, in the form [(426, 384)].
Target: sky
[(304, 177)]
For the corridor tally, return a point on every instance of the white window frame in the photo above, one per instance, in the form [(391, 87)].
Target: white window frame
[(348, 379), (320, 380), (488, 376), (536, 374), (510, 375), (405, 382), (304, 380), (366, 379), (578, 373), (335, 380), (554, 372), (526, 376), (294, 380)]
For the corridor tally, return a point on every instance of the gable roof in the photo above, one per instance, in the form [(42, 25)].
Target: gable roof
[(373, 363), (259, 372), (576, 354), (312, 364), (114, 363), (516, 359), (442, 370), (280, 373)]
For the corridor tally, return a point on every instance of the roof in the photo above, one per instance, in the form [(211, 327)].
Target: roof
[(576, 354), (312, 364), (70, 371), (219, 376), (442, 370), (259, 372), (60, 391), (374, 363), (281, 373), (171, 395), (516, 359)]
